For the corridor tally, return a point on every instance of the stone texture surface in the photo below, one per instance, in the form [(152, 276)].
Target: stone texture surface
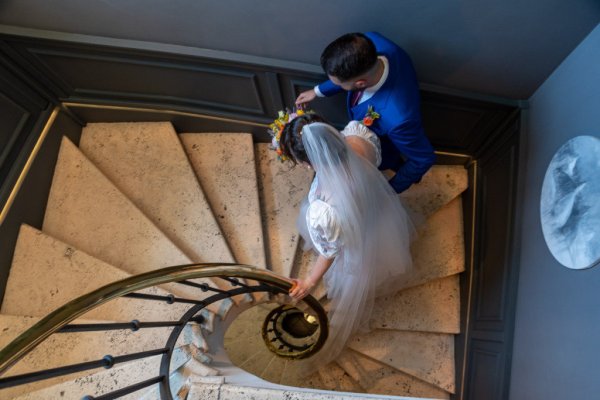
[(281, 191), (235, 392), (87, 211), (104, 381), (148, 164), (431, 307), (243, 340), (427, 356), (438, 250), (72, 348), (274, 370), (225, 166), (335, 378), (50, 273), (377, 378), (440, 185)]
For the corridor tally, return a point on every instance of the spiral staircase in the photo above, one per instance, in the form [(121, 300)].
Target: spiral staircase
[(134, 197)]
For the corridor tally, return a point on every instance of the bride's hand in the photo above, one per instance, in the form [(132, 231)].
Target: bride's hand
[(301, 289)]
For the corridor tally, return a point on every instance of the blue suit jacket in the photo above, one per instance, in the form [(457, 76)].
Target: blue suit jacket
[(405, 148)]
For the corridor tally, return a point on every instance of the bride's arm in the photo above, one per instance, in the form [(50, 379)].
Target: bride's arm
[(304, 286), (361, 147), (363, 141)]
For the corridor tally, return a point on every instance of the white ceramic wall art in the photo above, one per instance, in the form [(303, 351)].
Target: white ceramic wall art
[(570, 203)]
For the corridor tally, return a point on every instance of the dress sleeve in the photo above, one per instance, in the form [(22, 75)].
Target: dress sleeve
[(355, 128), (324, 228)]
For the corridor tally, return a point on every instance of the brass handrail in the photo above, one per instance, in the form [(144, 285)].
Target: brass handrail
[(60, 317)]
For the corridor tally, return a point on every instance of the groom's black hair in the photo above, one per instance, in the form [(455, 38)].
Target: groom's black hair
[(349, 56)]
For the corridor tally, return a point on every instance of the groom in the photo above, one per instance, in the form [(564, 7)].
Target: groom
[(379, 74)]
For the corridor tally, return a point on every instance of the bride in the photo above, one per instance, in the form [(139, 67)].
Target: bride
[(351, 217)]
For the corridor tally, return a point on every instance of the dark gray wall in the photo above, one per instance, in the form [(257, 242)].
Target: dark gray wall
[(556, 344), (504, 48)]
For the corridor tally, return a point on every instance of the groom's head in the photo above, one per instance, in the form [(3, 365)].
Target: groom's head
[(350, 61)]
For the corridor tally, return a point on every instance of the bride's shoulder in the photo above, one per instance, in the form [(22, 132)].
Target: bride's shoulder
[(363, 141)]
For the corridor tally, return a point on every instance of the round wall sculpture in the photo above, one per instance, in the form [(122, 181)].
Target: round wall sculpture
[(570, 203)]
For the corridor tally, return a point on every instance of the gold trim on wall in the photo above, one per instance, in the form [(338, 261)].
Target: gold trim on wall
[(27, 167), (473, 164), (163, 111)]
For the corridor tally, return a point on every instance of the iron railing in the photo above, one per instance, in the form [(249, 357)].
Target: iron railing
[(58, 322)]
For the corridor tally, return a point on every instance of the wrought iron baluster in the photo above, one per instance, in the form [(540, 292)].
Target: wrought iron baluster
[(126, 390), (106, 362)]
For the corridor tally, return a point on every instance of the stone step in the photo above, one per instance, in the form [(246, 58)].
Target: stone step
[(88, 212), (440, 185), (72, 348), (377, 378), (220, 391), (431, 307), (281, 189), (335, 378), (438, 250), (49, 273), (243, 339), (225, 166), (105, 381), (427, 356), (147, 162)]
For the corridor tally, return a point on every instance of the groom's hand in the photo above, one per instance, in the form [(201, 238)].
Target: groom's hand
[(306, 97)]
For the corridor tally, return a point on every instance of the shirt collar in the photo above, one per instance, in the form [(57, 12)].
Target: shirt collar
[(386, 70)]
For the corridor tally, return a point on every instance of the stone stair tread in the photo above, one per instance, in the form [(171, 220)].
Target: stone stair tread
[(432, 363), (274, 369), (226, 168), (281, 189), (440, 185), (377, 378), (243, 339), (72, 348), (430, 307), (147, 162), (438, 250), (291, 378), (220, 391), (335, 378), (50, 273), (104, 381), (87, 211)]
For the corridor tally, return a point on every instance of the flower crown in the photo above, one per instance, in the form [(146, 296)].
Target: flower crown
[(275, 129)]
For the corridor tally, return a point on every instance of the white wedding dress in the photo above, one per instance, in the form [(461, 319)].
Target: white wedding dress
[(351, 214)]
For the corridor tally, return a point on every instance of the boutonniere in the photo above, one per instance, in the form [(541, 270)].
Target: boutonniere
[(370, 116)]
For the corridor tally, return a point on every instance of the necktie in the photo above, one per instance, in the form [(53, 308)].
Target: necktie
[(356, 95)]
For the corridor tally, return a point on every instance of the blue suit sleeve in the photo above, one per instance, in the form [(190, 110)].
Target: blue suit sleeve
[(382, 44), (419, 155), (329, 88)]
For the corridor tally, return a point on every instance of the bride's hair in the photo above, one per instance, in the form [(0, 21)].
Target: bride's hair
[(291, 137)]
